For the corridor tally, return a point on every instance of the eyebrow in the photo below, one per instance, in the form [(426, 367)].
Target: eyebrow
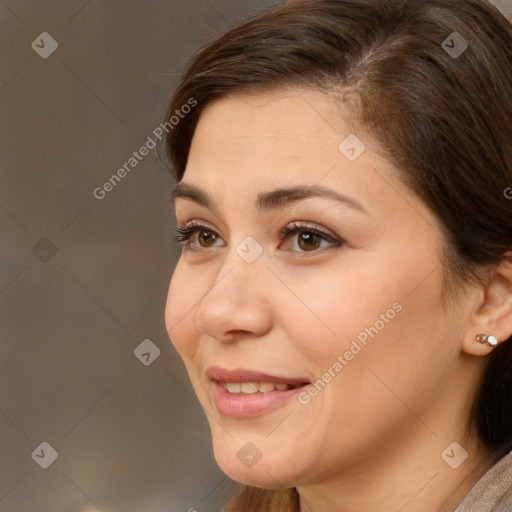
[(269, 201)]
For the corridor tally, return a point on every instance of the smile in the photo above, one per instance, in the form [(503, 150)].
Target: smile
[(245, 394), (249, 388)]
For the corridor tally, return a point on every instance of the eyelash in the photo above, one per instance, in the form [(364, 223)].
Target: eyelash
[(185, 233)]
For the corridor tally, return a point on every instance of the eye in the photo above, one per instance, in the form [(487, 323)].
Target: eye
[(306, 238), (197, 236), (300, 237)]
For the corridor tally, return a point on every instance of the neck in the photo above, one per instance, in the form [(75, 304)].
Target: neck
[(410, 480)]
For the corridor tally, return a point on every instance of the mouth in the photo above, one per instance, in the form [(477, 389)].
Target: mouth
[(243, 394), (250, 388)]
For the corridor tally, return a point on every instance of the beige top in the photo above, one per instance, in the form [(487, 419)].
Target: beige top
[(505, 6), (490, 493)]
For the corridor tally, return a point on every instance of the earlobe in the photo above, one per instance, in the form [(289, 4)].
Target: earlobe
[(492, 323), (480, 344), (487, 339)]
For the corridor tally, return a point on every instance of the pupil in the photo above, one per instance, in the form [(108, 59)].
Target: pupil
[(308, 241), (206, 238)]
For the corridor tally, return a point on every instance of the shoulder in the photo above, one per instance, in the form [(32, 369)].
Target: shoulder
[(493, 492)]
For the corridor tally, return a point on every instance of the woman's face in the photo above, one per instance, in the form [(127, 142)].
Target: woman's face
[(311, 267)]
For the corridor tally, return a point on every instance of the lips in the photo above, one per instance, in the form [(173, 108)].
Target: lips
[(245, 393), (249, 388), (222, 375)]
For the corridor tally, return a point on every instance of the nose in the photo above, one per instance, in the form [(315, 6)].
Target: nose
[(236, 305)]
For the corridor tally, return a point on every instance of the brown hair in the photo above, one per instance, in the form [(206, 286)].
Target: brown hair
[(443, 119)]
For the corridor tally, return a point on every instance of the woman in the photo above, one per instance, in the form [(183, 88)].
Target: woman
[(343, 300)]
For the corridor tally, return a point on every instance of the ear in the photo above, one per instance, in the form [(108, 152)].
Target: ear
[(494, 313)]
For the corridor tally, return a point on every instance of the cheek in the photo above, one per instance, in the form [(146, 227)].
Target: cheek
[(378, 319), (331, 308), (182, 298), (404, 355)]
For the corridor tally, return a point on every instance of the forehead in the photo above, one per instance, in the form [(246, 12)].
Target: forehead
[(258, 142), (276, 136), (287, 119)]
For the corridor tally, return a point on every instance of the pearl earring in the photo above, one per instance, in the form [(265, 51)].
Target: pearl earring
[(487, 339)]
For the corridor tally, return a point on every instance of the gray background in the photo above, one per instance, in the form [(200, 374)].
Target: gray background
[(129, 437)]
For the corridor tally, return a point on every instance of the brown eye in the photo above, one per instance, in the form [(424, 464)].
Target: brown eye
[(304, 238), (206, 238), (309, 241), (197, 237)]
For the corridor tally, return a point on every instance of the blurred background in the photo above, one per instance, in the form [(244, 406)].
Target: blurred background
[(96, 410), (84, 274)]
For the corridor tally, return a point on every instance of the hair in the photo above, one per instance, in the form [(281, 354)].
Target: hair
[(443, 120)]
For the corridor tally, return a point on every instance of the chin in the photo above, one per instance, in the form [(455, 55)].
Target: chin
[(262, 475), (251, 463)]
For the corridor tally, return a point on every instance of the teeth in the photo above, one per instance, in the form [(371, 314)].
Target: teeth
[(265, 387), (250, 388), (233, 387)]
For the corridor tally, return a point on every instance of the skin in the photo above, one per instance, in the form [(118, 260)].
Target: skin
[(372, 438)]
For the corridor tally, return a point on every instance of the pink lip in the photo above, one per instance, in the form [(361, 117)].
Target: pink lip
[(222, 375), (246, 406)]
